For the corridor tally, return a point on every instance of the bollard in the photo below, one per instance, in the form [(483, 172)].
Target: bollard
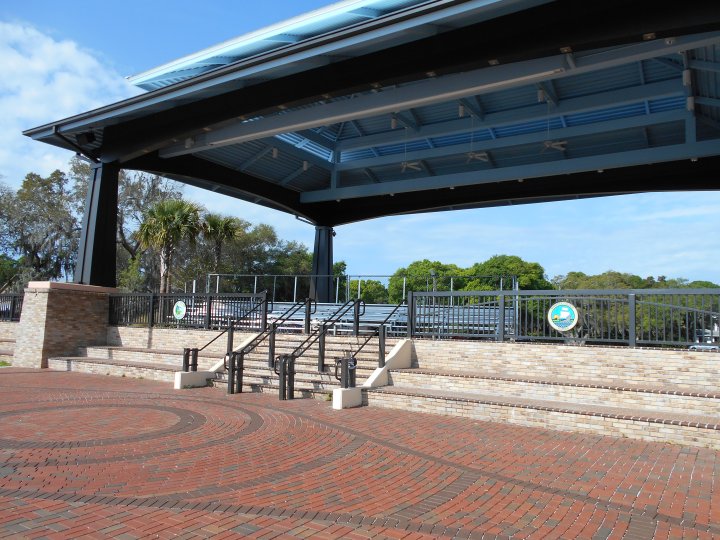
[(290, 367), (285, 370), (321, 351), (239, 367), (231, 374), (347, 366), (381, 345), (193, 359), (186, 359), (282, 375)]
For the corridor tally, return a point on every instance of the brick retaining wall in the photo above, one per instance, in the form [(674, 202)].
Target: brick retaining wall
[(685, 369)]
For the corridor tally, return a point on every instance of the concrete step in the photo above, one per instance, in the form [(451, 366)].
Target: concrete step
[(302, 381), (657, 398), (685, 429), (113, 367), (161, 357)]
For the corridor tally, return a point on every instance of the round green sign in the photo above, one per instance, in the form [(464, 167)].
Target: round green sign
[(179, 310)]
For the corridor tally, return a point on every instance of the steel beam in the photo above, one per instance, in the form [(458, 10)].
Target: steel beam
[(613, 98), (527, 138), (437, 90), (506, 174)]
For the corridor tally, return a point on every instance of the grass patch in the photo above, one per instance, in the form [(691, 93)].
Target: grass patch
[(3, 363)]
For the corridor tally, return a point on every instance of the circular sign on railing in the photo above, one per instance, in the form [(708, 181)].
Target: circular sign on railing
[(179, 310), (563, 316)]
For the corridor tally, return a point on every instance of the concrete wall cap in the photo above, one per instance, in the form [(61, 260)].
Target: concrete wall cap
[(56, 285)]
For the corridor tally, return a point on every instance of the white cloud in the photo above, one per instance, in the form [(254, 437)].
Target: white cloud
[(44, 80)]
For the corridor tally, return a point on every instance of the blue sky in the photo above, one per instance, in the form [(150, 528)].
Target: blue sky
[(58, 59)]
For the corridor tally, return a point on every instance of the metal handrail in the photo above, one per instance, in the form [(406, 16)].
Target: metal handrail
[(377, 330), (324, 327), (230, 322), (274, 326)]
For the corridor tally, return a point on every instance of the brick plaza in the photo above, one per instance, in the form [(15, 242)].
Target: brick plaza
[(93, 456)]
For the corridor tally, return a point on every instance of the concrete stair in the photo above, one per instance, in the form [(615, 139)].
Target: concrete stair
[(161, 362), (656, 395), (258, 377)]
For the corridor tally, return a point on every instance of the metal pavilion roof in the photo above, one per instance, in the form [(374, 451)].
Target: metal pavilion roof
[(375, 107)]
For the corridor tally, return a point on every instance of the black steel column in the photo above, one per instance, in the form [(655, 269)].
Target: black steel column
[(321, 288), (96, 254)]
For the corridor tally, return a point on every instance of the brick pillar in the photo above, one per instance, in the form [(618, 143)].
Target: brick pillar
[(57, 318)]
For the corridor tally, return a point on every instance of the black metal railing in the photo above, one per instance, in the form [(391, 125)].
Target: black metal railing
[(648, 317), (190, 355), (318, 335), (201, 310), (381, 333), (273, 327), (10, 307)]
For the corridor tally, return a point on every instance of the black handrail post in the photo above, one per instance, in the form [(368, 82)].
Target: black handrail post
[(151, 311), (501, 317), (186, 359), (410, 314), (356, 317), (632, 341), (321, 350), (231, 374), (13, 307), (382, 331), (264, 313), (306, 328), (194, 359), (282, 374), (208, 310), (230, 335), (290, 367), (271, 346), (239, 367)]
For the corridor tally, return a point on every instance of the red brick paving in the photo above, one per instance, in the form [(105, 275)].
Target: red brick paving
[(88, 456)]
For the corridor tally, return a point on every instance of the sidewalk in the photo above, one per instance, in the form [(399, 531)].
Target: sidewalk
[(91, 456)]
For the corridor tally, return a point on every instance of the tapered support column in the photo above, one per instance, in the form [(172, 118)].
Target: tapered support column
[(96, 254), (321, 285)]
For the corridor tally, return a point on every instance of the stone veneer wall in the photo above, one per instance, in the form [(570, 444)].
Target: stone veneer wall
[(698, 371), (8, 330), (57, 318)]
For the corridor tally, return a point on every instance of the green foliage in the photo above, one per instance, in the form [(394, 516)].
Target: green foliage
[(485, 276), (218, 230), (131, 278), (371, 291), (619, 280), (418, 276), (165, 225), (530, 275), (40, 227)]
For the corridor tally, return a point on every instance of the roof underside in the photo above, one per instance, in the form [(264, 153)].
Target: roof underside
[(405, 106)]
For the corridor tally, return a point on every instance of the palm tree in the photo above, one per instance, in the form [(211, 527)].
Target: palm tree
[(219, 229), (165, 225)]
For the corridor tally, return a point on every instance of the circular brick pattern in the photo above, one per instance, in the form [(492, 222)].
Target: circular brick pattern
[(38, 427), (83, 424), (201, 463)]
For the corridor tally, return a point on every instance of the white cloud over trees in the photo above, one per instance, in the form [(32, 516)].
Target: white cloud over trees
[(43, 80)]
